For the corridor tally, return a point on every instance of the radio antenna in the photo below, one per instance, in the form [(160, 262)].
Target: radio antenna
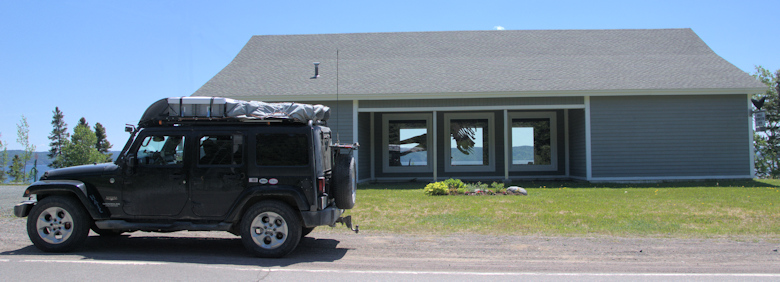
[(338, 121)]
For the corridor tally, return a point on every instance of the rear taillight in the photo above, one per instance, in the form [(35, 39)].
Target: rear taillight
[(321, 184)]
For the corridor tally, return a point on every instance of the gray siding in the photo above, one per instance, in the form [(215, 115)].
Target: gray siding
[(577, 156), (670, 136), (340, 121), (499, 102)]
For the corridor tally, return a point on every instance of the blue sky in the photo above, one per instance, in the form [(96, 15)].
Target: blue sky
[(108, 60)]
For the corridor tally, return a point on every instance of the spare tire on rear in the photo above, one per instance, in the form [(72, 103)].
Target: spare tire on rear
[(344, 181)]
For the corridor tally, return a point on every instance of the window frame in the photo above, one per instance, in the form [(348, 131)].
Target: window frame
[(491, 117), (553, 117), (386, 118)]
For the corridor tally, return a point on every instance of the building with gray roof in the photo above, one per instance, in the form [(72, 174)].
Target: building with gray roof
[(597, 105)]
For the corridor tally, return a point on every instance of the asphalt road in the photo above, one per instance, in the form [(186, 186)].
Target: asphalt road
[(339, 254)]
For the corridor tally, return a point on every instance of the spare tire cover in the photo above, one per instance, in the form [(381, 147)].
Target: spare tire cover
[(344, 182)]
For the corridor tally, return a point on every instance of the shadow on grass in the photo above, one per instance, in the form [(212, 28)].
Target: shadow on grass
[(747, 183)]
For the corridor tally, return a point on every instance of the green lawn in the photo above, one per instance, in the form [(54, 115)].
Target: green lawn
[(676, 209)]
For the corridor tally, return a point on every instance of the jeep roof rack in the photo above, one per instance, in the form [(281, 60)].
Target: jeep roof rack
[(178, 110)]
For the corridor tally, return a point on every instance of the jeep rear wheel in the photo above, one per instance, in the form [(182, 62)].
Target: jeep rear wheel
[(58, 224), (270, 229), (344, 188)]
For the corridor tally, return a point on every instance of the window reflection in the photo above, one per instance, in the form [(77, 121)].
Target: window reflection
[(407, 143), (469, 144), (161, 150), (531, 142)]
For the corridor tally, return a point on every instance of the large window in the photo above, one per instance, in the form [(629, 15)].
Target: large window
[(279, 149), (533, 138), (221, 149), (471, 142), (406, 140)]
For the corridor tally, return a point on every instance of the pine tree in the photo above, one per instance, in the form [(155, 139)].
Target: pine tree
[(59, 137), (16, 170), (83, 121), (102, 144)]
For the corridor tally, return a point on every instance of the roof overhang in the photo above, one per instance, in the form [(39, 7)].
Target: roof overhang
[(482, 95)]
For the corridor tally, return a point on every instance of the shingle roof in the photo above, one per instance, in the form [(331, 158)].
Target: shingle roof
[(475, 61)]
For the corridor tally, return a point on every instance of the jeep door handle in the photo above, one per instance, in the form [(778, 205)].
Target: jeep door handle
[(233, 176), (178, 176)]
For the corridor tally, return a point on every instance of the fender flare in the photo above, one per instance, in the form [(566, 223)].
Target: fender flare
[(291, 196), (90, 201)]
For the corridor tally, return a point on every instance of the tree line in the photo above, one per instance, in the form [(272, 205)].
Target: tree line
[(85, 146)]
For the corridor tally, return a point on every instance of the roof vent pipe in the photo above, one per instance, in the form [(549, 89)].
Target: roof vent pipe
[(316, 70)]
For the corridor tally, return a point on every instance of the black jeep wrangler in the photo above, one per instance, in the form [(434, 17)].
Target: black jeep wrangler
[(267, 172)]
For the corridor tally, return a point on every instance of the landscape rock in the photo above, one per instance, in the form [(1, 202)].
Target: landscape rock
[(516, 190)]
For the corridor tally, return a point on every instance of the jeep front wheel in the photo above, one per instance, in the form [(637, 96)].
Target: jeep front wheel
[(58, 224), (270, 229)]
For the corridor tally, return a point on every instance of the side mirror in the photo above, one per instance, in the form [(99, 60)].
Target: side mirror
[(131, 163), (129, 128)]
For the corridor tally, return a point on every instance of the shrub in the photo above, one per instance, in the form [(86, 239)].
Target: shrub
[(473, 187), (457, 191), (436, 188), (454, 183), (499, 187)]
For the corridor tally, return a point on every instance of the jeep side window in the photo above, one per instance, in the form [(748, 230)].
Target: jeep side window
[(221, 150), (161, 150), (278, 149)]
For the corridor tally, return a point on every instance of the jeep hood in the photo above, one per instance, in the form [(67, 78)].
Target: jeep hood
[(80, 171)]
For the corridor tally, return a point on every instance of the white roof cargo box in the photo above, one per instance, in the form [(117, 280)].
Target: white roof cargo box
[(198, 100), (197, 106)]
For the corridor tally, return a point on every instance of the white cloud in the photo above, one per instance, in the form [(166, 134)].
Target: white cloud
[(498, 27)]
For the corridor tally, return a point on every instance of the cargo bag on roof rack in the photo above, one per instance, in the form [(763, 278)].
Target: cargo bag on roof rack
[(187, 108)]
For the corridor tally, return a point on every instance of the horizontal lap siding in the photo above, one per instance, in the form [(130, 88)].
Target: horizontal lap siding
[(340, 121), (577, 143), (670, 136)]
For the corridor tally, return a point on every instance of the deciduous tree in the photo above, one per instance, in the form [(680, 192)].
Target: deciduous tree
[(3, 161), (23, 138), (767, 143)]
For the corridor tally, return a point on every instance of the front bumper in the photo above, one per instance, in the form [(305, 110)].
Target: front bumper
[(23, 209)]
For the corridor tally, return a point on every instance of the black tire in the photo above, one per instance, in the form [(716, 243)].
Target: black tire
[(58, 224), (306, 230), (344, 183), (270, 229)]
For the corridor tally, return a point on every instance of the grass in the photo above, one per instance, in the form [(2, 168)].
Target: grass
[(680, 210)]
